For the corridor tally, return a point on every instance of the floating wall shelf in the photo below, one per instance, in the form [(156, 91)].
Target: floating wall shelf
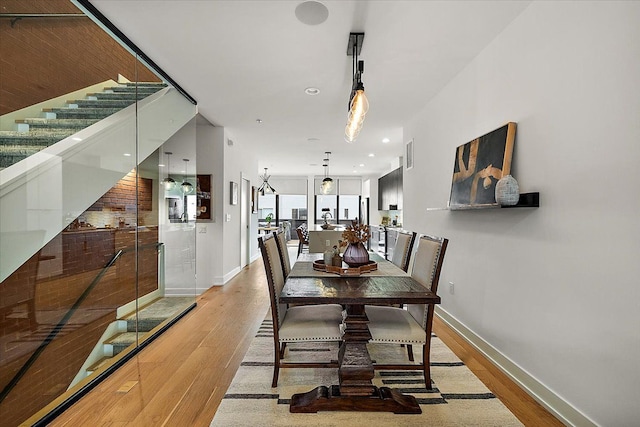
[(527, 200)]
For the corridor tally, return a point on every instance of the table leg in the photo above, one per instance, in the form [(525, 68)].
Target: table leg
[(356, 391)]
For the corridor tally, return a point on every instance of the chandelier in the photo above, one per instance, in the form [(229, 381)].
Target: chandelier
[(358, 103), (266, 188)]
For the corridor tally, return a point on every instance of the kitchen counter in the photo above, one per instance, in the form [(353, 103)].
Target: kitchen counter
[(320, 240), (318, 227)]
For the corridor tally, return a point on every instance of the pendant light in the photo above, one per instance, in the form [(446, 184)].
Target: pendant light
[(168, 183), (358, 103), (327, 182), (186, 185), (265, 188)]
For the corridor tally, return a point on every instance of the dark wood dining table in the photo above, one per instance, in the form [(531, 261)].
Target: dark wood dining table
[(386, 285)]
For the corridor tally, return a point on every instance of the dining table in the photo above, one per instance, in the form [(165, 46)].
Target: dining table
[(388, 285)]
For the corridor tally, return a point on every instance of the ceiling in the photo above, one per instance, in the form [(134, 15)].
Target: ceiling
[(249, 60)]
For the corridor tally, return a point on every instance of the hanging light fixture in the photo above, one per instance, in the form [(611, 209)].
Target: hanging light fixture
[(186, 185), (265, 188), (327, 182), (358, 103), (168, 183)]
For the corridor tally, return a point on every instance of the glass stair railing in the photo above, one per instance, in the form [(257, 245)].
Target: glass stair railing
[(34, 134)]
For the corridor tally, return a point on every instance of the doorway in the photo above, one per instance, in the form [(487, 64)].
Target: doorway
[(245, 223)]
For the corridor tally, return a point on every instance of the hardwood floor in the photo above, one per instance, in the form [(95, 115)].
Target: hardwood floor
[(181, 377)]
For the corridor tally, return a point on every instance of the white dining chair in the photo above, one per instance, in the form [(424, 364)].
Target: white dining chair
[(307, 323), (281, 242), (413, 324), (403, 248)]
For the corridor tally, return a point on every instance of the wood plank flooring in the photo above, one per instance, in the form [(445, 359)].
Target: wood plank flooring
[(181, 377)]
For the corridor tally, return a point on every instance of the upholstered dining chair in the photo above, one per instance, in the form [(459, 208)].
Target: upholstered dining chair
[(309, 323), (413, 324), (303, 238), (402, 251), (281, 242)]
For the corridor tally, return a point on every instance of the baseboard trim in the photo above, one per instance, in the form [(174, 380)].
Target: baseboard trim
[(542, 394)]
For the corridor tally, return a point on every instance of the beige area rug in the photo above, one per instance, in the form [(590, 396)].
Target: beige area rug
[(458, 398)]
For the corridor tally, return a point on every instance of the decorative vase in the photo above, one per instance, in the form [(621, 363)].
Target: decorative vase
[(355, 255), (507, 191)]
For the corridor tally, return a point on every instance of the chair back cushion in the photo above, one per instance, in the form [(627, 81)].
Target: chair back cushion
[(281, 242), (275, 276), (402, 250), (426, 270)]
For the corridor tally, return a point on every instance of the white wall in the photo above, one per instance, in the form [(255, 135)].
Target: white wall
[(554, 289), (209, 269), (239, 162), (218, 241)]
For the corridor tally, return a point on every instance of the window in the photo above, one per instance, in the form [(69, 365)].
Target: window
[(266, 206), (292, 208), (349, 208), (326, 202)]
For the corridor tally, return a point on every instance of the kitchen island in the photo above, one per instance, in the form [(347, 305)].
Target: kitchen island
[(320, 239)]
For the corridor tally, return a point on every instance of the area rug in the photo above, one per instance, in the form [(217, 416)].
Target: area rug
[(458, 397)]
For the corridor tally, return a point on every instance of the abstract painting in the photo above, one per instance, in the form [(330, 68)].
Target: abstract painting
[(479, 165)]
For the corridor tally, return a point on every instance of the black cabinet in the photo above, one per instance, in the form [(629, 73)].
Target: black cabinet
[(390, 191)]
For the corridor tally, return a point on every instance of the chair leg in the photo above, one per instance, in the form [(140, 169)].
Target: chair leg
[(410, 352), (282, 347), (426, 366), (276, 366)]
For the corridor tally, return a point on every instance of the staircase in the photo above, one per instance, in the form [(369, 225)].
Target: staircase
[(80, 164), (34, 134), (148, 317)]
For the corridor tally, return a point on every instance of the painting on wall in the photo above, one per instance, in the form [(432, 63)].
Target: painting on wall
[(234, 192), (479, 165), (409, 154), (254, 199), (204, 210)]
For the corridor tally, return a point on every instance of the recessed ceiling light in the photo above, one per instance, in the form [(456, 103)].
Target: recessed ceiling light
[(127, 154), (312, 13), (161, 165), (385, 140), (312, 91), (75, 138), (259, 121), (371, 155), (361, 165), (355, 171)]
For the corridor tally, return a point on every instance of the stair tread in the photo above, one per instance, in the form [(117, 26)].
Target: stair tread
[(99, 364), (161, 309), (123, 338), (80, 110), (113, 103), (60, 123)]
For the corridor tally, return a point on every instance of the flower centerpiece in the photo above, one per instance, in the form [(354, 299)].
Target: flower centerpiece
[(354, 237)]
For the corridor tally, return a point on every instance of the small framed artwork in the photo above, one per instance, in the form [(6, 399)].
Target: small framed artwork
[(234, 192), (409, 154), (254, 199), (204, 196)]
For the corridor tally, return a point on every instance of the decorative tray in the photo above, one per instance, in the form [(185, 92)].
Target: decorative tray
[(345, 271)]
